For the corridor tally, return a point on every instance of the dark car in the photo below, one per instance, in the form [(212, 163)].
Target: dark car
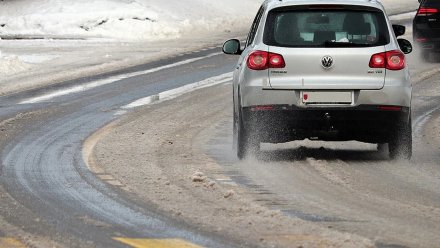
[(426, 27)]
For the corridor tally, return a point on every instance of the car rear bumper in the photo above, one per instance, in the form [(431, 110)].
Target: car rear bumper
[(394, 93), (427, 39), (283, 123), (431, 45)]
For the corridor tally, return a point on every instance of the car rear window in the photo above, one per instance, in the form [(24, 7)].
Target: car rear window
[(431, 3), (339, 27)]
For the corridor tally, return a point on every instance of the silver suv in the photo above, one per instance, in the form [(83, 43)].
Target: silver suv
[(322, 70)]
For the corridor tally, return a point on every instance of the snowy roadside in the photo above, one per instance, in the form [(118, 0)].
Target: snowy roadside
[(92, 37), (28, 64), (76, 39)]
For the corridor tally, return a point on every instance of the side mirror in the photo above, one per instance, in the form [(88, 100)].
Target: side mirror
[(399, 30), (232, 47), (405, 46)]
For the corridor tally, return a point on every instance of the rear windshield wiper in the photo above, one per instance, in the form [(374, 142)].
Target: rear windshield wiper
[(329, 43)]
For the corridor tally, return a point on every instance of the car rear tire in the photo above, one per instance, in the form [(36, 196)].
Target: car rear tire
[(400, 146), (247, 143)]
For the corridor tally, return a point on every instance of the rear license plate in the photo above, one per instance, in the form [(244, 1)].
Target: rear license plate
[(327, 97)]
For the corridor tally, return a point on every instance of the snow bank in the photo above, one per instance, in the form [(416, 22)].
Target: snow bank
[(122, 19), (137, 20), (11, 65), (127, 20)]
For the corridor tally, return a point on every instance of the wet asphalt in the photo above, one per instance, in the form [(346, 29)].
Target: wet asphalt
[(44, 171)]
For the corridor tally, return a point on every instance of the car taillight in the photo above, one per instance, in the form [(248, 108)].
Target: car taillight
[(426, 11), (377, 60), (395, 60), (390, 108), (261, 60), (391, 60), (262, 108)]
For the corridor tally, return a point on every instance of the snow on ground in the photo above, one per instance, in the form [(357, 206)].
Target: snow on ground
[(86, 33), (120, 19), (144, 20), (112, 23), (11, 64)]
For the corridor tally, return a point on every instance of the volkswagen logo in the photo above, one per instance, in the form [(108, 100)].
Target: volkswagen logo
[(327, 62)]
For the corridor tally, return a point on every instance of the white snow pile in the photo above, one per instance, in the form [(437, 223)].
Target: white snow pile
[(11, 64), (130, 20)]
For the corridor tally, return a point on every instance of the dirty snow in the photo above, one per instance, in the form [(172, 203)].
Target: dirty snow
[(11, 65), (132, 19), (120, 19), (125, 28)]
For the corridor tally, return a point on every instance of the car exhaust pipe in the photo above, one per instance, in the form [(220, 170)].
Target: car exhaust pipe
[(328, 120)]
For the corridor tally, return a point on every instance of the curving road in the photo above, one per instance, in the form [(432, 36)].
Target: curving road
[(43, 169), (49, 191)]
